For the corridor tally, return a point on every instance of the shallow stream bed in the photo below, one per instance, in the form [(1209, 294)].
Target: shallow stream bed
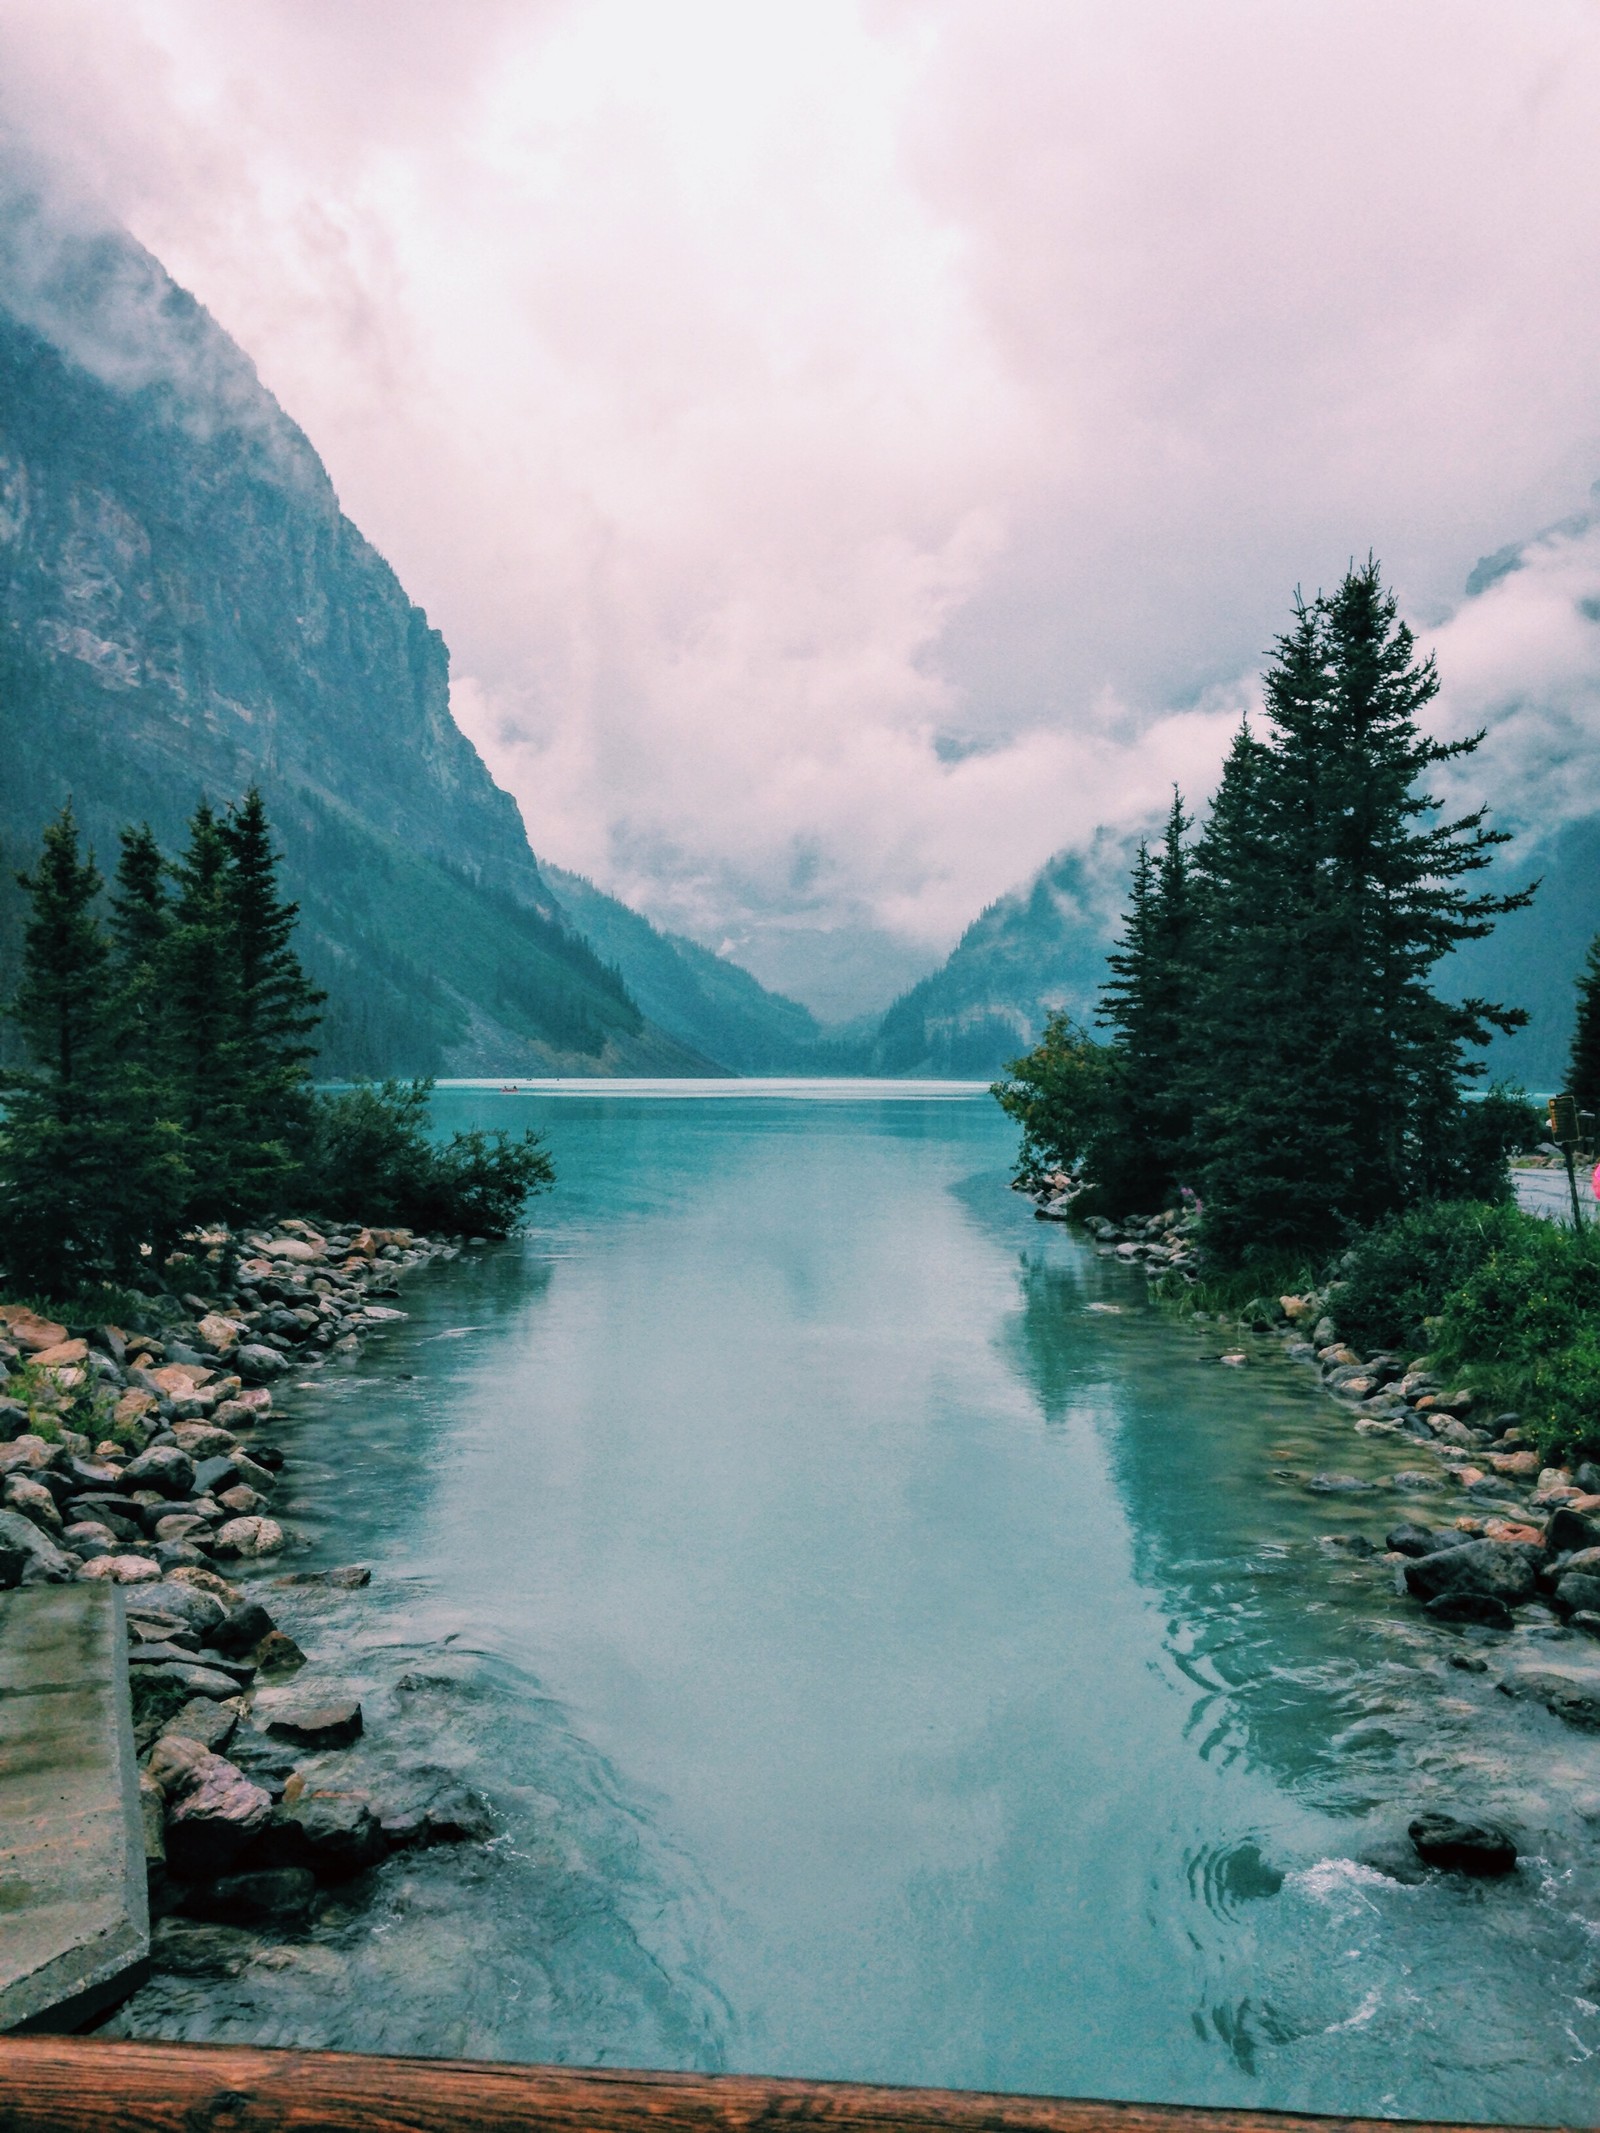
[(895, 1650)]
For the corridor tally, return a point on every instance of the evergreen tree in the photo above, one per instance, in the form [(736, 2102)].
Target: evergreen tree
[(1329, 1071), (1147, 1004), (87, 1188), (277, 1006), (1583, 1069), (200, 991)]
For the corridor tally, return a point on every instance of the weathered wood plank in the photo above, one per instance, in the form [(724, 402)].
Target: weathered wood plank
[(74, 2085)]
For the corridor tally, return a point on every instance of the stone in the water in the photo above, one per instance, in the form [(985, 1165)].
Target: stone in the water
[(1469, 1662), (1413, 1540), (248, 1537), (254, 1361), (216, 1811), (1466, 1847), (279, 1894), (241, 1631), (1472, 1607), (1413, 1477), (278, 1654), (1337, 1484), (1574, 1697), (341, 1833), (1577, 1591), (460, 1816), (1588, 1622), (348, 1578), (329, 1725), (1499, 1569), (184, 1950)]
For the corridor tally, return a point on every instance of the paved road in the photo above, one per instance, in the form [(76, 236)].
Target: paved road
[(1544, 1192)]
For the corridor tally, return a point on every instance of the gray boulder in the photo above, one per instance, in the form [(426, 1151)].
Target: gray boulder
[(45, 1564), (216, 1811), (1499, 1569), (164, 1468), (1577, 1589), (1466, 1847), (254, 1362), (279, 1895)]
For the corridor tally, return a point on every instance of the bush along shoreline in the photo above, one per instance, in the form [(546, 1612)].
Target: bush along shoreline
[(144, 1458)]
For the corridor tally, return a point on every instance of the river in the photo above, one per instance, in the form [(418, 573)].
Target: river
[(896, 1651)]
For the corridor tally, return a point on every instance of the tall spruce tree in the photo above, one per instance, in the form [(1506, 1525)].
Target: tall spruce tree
[(278, 1009), (1329, 1071), (1147, 1005), (1583, 1065), (88, 1186), (202, 1021)]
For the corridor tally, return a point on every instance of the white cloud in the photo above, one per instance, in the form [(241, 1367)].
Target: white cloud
[(835, 435)]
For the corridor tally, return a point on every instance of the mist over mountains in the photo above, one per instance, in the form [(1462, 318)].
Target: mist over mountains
[(185, 609)]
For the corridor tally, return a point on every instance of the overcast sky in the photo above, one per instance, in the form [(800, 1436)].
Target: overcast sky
[(853, 447)]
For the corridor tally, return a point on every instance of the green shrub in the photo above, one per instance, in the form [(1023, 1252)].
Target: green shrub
[(373, 1160), (1402, 1274)]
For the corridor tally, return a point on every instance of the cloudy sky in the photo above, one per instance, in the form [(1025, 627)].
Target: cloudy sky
[(853, 447)]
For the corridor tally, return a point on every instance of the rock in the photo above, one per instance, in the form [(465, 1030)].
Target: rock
[(1415, 1479), (1337, 1484), (152, 1820), (30, 1331), (1493, 1568), (178, 1555), (163, 1468), (216, 1811), (340, 1832), (349, 1577), (13, 1562), (1472, 1607), (248, 1537), (1587, 1478), (63, 1353), (33, 1500), (1324, 1333), (458, 1815), (240, 1631), (214, 1474), (1469, 1662), (269, 1762), (242, 1501), (254, 1360), (46, 1564), (278, 1654), (1465, 1847), (1576, 1590), (1573, 1696), (203, 1440), (292, 1248), (184, 1950), (157, 1696), (330, 1725), (193, 1676), (277, 1896), (1585, 1620), (218, 1333), (88, 1538), (256, 1473), (205, 1579), (1522, 1465), (1419, 1540), (208, 1723), (28, 1454), (119, 1513), (239, 1671), (132, 1407), (183, 1526), (1568, 1531)]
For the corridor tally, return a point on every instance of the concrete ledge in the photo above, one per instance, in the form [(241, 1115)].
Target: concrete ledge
[(74, 1918)]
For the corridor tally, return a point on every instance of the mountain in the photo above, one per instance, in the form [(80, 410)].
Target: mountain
[(1039, 948), (185, 610), (695, 996)]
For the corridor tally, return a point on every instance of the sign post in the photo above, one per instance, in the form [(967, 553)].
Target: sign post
[(1562, 1112)]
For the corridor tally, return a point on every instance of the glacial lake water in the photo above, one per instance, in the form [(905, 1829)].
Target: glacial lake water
[(897, 1651)]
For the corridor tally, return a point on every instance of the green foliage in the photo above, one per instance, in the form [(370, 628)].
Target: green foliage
[(1140, 1159), (1329, 1070), (1495, 1295), (1060, 1095), (1583, 1071), (372, 1158), (1403, 1274)]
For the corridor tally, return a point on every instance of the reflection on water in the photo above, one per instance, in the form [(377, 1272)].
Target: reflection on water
[(896, 1653)]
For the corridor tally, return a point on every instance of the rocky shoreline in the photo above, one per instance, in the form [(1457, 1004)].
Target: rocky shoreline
[(1518, 1546), (145, 1461)]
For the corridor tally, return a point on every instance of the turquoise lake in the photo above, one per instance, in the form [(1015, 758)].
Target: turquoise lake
[(898, 1651)]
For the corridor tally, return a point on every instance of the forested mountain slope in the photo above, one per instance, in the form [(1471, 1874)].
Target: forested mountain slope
[(185, 609), (693, 995)]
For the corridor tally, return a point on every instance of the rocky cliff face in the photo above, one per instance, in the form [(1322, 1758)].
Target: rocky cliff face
[(184, 608)]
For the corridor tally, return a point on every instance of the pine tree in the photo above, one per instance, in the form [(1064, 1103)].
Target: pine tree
[(278, 1008), (1330, 1071), (88, 1188), (200, 994), (1583, 1068), (1147, 1004)]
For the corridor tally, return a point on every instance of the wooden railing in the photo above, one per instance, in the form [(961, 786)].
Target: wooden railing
[(74, 2085)]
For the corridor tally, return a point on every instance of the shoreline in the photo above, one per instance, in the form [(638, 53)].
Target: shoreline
[(146, 1460), (1514, 1558)]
